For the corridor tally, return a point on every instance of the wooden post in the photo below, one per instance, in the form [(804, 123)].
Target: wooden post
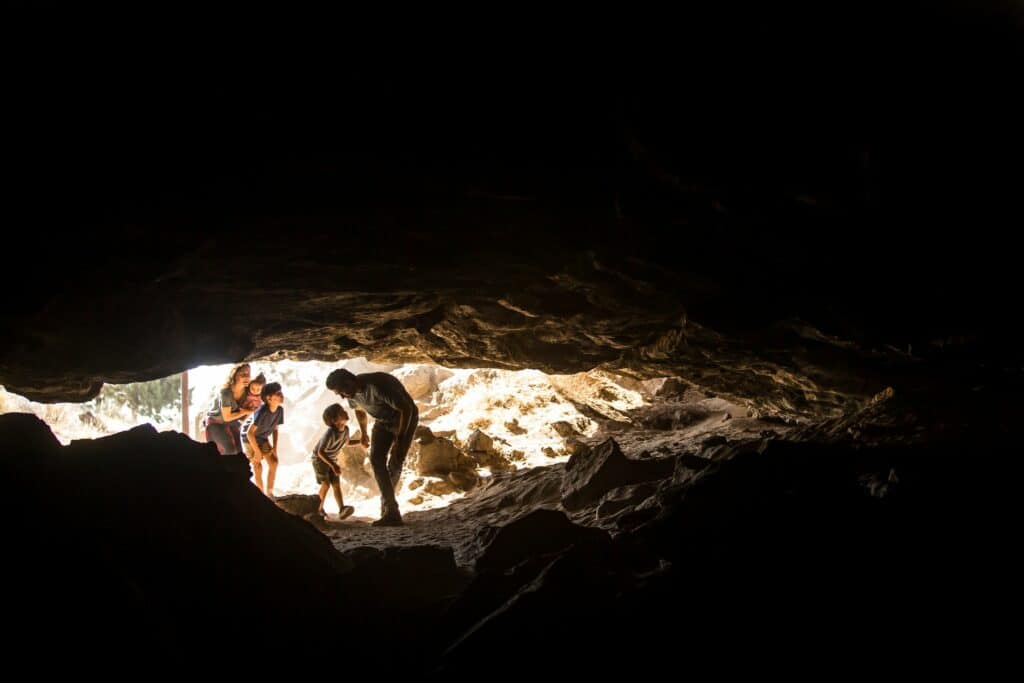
[(184, 403)]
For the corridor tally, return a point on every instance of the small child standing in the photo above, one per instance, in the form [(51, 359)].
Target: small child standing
[(325, 458)]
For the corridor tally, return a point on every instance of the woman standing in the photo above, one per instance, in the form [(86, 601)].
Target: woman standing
[(224, 420)]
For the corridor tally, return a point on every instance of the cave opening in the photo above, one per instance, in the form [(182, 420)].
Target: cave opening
[(473, 422)]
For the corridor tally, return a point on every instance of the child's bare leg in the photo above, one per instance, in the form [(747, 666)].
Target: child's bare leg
[(336, 485), (323, 495), (257, 470), (271, 472)]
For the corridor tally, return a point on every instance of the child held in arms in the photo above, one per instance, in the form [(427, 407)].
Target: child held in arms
[(251, 400), (325, 458)]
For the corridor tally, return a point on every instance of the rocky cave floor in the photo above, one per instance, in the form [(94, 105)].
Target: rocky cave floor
[(676, 420), (709, 532)]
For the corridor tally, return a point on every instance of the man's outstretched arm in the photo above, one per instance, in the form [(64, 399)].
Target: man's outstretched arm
[(364, 435)]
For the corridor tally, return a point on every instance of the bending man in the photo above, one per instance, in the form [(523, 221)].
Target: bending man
[(395, 418)]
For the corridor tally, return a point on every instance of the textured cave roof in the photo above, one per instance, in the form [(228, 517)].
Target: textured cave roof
[(798, 226)]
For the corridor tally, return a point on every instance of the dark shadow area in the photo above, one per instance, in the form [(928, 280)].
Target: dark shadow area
[(806, 209), (797, 553)]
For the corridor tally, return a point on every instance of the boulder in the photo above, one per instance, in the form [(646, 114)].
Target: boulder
[(480, 442), (541, 532), (591, 473), (438, 458), (464, 481), (439, 487), (304, 506)]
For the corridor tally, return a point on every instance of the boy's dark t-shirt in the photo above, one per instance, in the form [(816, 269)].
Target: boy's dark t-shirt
[(264, 422), (331, 443)]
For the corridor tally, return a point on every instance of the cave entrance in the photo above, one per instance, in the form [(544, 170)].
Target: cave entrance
[(481, 422)]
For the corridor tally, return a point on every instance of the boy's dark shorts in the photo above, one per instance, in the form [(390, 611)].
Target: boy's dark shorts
[(324, 474), (264, 449)]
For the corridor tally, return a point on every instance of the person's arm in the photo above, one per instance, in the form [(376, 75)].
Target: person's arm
[(230, 408), (405, 407), (273, 446), (344, 442), (230, 415), (403, 420), (250, 436), (403, 404), (361, 419), (335, 468), (280, 421), (323, 456)]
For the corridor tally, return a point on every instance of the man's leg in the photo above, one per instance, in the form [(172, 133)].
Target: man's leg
[(401, 450), (380, 444)]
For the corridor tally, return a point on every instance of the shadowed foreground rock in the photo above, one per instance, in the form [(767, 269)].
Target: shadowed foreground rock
[(154, 542), (790, 552), (592, 472)]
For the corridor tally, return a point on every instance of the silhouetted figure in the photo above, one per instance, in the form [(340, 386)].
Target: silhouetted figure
[(395, 418)]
